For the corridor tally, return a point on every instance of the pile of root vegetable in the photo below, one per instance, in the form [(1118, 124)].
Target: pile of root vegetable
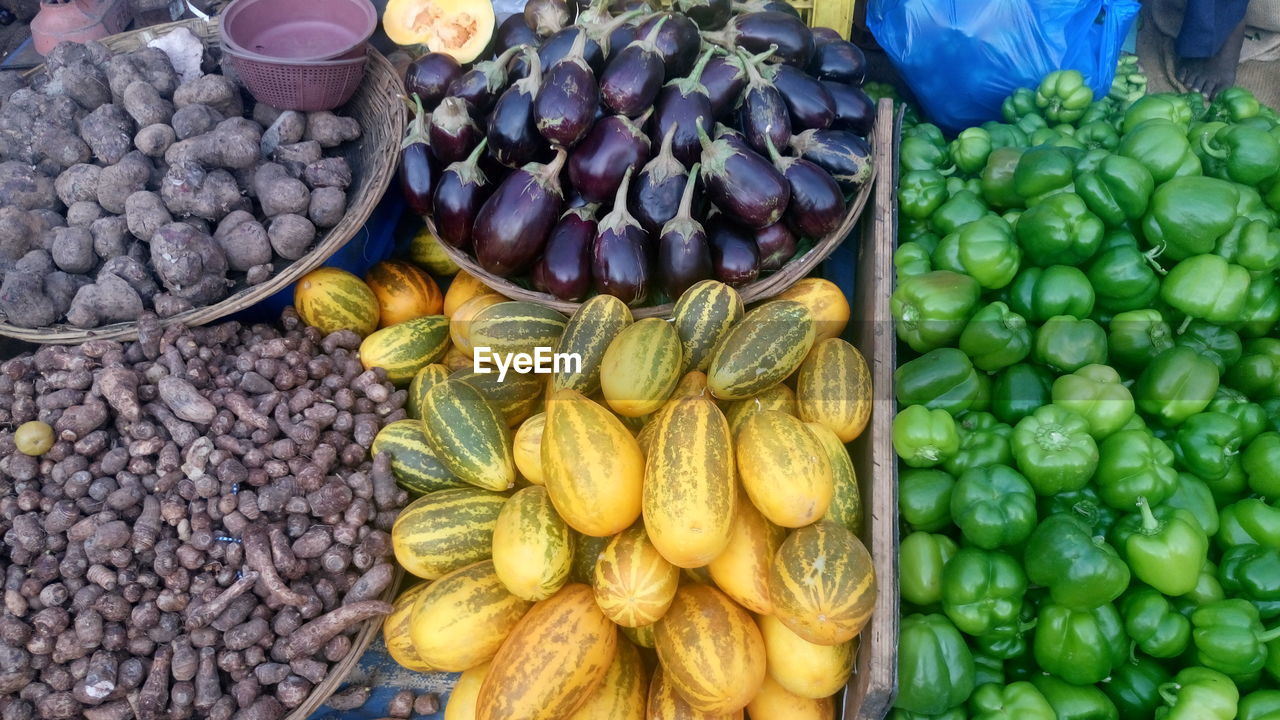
[(191, 524), (127, 187)]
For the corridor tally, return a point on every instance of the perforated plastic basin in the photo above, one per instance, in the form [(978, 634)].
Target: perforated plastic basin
[(299, 29)]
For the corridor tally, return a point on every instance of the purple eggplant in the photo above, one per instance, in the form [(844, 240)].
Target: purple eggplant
[(678, 41), (855, 111), (755, 32), (724, 78), (620, 6), (824, 35), (555, 48), (845, 155), (548, 17), (839, 61), (619, 255), (614, 146), (707, 14), (683, 255), (462, 189), (683, 104), (513, 32), (742, 184), (776, 244), (512, 133), (566, 106), (817, 204), (485, 81), (762, 113), (429, 78), (632, 78), (741, 7), (735, 259), (656, 191), (564, 270), (512, 225), (419, 170), (453, 133), (809, 102)]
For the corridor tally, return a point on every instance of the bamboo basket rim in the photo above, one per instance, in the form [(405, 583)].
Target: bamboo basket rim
[(378, 90), (761, 289)]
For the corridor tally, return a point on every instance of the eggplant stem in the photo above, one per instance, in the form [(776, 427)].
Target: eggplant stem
[(774, 155), (686, 197), (668, 141), (703, 139), (577, 51), (417, 130), (533, 81), (474, 157), (652, 38), (602, 32), (696, 73)]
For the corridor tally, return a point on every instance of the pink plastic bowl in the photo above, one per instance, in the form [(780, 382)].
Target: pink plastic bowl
[(299, 29), (305, 85)]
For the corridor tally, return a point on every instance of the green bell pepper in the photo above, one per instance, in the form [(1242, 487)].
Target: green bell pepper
[(1258, 372), (1008, 642), (931, 310), (921, 558), (1156, 107), (924, 499), (994, 507), (1261, 306), (970, 149), (1187, 215), (1206, 287), (997, 178), (984, 441), (928, 131), (935, 667), (917, 231), (1015, 701), (983, 249), (1260, 705), (959, 210), (1162, 148), (1098, 135), (1249, 522), (1193, 495), (1054, 450), (921, 192), (1133, 464), (1231, 488), (1207, 443), (996, 337), (1122, 276), (1020, 103), (1219, 344), (911, 258), (1252, 244), (1153, 624), (1079, 646), (956, 713), (1199, 693), (1004, 135), (1137, 337), (1134, 687), (924, 437), (1234, 104), (1165, 547), (1066, 343), (1207, 590), (1063, 96), (1096, 393), (917, 152), (939, 379), (1020, 390), (1041, 293), (982, 590), (1243, 154), (1075, 702), (1229, 637), (1117, 191), (1084, 504), (1080, 569), (1041, 171), (956, 185), (1059, 230), (987, 669), (1251, 416), (1252, 572), (1261, 462), (1176, 384)]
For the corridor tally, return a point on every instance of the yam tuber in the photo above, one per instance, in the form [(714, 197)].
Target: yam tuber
[(331, 130), (291, 236), (243, 240), (143, 103), (278, 193), (145, 213), (216, 91)]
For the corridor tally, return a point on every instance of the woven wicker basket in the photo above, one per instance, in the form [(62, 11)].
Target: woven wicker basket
[(761, 289), (372, 159)]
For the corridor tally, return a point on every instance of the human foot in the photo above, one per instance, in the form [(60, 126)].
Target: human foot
[(1212, 74)]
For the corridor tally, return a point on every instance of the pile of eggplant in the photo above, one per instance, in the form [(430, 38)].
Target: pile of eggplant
[(623, 150)]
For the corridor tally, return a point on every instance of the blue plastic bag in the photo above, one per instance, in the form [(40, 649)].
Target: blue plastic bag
[(962, 58)]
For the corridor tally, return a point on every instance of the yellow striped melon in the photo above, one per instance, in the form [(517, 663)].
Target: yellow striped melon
[(588, 333), (423, 381), (552, 661), (404, 349), (586, 550), (711, 650), (784, 469), (528, 448), (666, 704), (455, 359), (463, 287), (515, 396), (441, 532), (761, 351), (468, 435), (428, 251), (634, 584), (826, 302), (532, 548), (462, 699), (702, 316), (462, 619), (779, 397), (396, 633), (774, 702), (692, 384), (834, 389), (640, 636), (689, 488), (846, 497), (464, 316), (413, 461), (641, 367), (404, 291), (591, 465), (822, 584), (516, 327), (742, 570), (332, 299), (624, 692), (804, 668), (699, 575)]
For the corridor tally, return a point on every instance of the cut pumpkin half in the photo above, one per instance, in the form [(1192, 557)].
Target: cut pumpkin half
[(459, 28)]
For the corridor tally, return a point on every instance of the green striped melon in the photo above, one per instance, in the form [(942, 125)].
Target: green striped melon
[(711, 650), (702, 316), (822, 584), (332, 299), (640, 636), (423, 380), (804, 668), (634, 584), (779, 397), (404, 291), (552, 661), (846, 497), (641, 367), (448, 529), (462, 618), (527, 448), (762, 350), (689, 489), (784, 469), (666, 704), (834, 389), (588, 333), (469, 435), (742, 570), (532, 548), (516, 327), (413, 462), (586, 550), (623, 693), (516, 396), (404, 349)]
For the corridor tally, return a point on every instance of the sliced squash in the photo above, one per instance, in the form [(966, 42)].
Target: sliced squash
[(459, 28)]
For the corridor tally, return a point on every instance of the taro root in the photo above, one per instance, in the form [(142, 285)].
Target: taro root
[(512, 225)]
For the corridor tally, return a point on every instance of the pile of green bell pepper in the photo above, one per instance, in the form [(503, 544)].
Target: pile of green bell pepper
[(1088, 421)]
